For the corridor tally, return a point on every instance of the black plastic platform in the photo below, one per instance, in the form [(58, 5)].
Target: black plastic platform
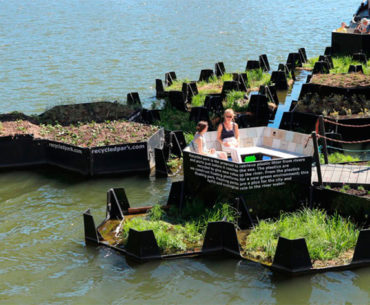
[(24, 151)]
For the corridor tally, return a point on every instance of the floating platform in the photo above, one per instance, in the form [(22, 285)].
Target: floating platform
[(221, 237), (280, 156), (25, 150)]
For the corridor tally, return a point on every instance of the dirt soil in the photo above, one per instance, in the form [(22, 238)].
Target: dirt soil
[(86, 112), (83, 135), (355, 192), (347, 80), (74, 113), (344, 259)]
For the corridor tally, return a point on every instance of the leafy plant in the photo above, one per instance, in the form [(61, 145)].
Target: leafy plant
[(188, 137), (174, 163), (156, 213)]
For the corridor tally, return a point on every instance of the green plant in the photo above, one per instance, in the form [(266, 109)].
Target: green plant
[(360, 188), (178, 233), (198, 100), (174, 163), (217, 81), (327, 237), (338, 158), (173, 119), (257, 77), (97, 134), (156, 213), (188, 137), (341, 64), (177, 85), (236, 101)]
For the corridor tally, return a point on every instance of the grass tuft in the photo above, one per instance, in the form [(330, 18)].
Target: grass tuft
[(257, 78), (338, 158), (327, 237), (174, 233), (198, 100), (173, 119), (236, 101), (341, 64)]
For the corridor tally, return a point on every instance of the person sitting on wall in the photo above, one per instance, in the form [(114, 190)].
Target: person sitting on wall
[(199, 144), (363, 27), (343, 28), (228, 132)]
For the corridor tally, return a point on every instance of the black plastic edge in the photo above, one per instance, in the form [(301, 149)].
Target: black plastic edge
[(176, 195), (362, 250), (142, 245), (161, 168), (91, 234), (221, 237), (292, 255), (117, 203)]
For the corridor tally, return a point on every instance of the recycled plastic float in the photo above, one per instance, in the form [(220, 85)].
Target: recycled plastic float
[(287, 165), (343, 123), (23, 150), (221, 238), (333, 197)]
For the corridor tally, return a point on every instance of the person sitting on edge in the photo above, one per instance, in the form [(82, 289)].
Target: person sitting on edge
[(199, 144), (363, 26), (343, 28), (228, 132)]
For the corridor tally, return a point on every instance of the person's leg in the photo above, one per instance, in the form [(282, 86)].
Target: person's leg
[(235, 156), (221, 155)]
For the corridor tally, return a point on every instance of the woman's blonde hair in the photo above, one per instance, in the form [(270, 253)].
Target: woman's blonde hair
[(229, 111)]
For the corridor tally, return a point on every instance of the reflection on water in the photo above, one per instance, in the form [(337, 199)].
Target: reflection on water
[(55, 51)]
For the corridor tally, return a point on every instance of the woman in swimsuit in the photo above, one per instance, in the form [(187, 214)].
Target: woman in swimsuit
[(228, 132)]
